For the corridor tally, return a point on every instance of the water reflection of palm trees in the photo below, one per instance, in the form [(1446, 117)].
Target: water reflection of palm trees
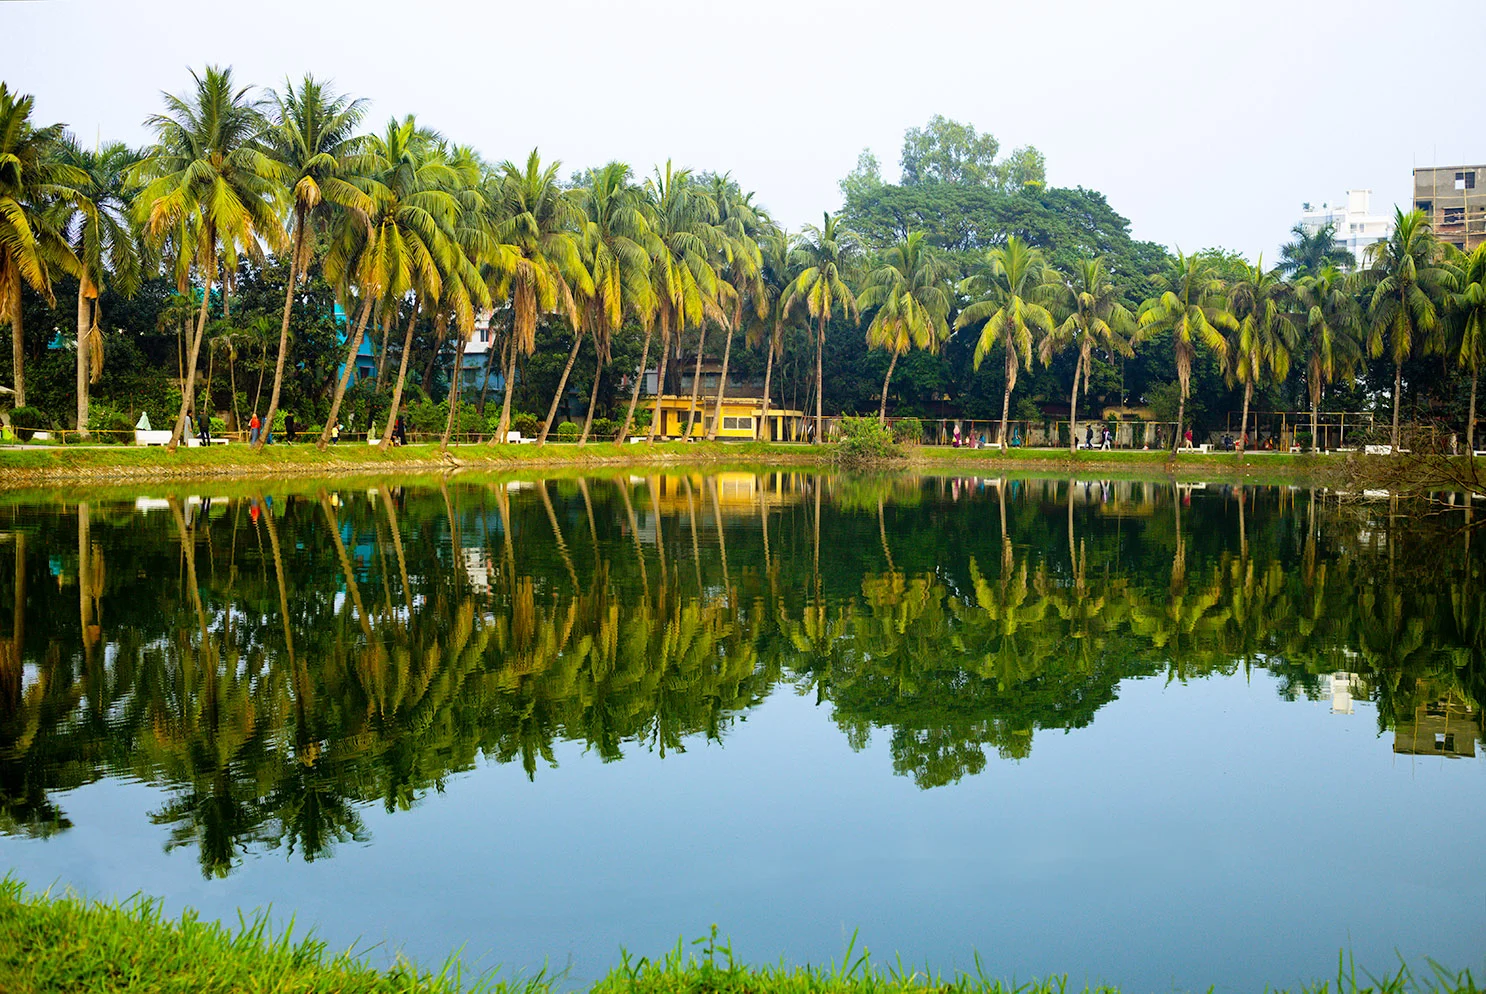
[(327, 651)]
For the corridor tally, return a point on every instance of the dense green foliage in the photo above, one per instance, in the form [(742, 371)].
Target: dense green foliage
[(265, 236)]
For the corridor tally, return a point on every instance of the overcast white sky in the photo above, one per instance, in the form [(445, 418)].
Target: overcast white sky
[(1204, 123)]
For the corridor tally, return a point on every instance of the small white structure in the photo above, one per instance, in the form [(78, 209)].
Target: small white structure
[(1353, 222)]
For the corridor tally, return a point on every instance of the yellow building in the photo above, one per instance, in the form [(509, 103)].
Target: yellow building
[(740, 419)]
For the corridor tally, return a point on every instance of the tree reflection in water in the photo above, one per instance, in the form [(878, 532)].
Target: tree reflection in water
[(277, 661)]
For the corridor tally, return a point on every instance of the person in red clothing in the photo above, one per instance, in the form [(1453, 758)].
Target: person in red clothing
[(1187, 437), (253, 426)]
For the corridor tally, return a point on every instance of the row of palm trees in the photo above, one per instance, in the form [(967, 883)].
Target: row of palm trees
[(406, 225)]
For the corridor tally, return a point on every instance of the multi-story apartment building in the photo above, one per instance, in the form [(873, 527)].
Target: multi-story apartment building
[(1454, 200), (1353, 222)]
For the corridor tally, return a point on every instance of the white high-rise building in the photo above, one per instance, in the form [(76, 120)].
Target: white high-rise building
[(1353, 223)]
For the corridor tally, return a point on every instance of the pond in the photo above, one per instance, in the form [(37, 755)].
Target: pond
[(1158, 735)]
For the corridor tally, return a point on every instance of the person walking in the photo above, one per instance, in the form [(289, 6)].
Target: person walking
[(1089, 437), (1187, 438), (290, 429), (254, 427), (1108, 437), (204, 430), (335, 433), (400, 431)]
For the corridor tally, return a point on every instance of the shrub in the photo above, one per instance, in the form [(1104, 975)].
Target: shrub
[(604, 429), (866, 440), (567, 430), (115, 427), (26, 421), (527, 424), (908, 431)]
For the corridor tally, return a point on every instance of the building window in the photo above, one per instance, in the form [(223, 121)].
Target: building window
[(1465, 180), (1427, 206), (1453, 215), (738, 424)]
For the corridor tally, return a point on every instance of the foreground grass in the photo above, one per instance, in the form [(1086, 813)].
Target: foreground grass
[(65, 944)]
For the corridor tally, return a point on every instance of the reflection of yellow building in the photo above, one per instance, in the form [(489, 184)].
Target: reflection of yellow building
[(740, 418), (1445, 727), (736, 492)]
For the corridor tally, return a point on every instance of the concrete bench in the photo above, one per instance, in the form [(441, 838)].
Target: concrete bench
[(158, 436)]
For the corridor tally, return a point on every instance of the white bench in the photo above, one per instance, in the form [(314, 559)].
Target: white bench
[(160, 436)]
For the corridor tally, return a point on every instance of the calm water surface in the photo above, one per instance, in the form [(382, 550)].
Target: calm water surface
[(1152, 735)]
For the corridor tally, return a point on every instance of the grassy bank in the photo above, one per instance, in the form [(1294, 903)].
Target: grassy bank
[(44, 465), (56, 945)]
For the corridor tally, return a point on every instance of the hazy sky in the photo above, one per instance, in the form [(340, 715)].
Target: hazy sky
[(1204, 124)]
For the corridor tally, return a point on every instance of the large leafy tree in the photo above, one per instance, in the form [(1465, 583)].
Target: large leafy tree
[(912, 304), (1404, 310), (32, 249), (822, 256), (1010, 296), (1190, 305), (96, 222), (1095, 317), (535, 219), (210, 186), (312, 136), (1265, 338), (1309, 252), (1466, 308), (1330, 320)]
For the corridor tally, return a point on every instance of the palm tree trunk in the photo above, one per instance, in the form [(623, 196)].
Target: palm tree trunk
[(1181, 412), (402, 375), (1006, 396), (562, 384), (629, 415), (763, 424), (382, 325), (1397, 397), (1078, 368), (820, 345), (440, 329), (722, 383), (505, 408), (490, 364), (84, 332), (350, 366), (453, 392), (660, 379), (278, 368), (1243, 426), (18, 351), (593, 400), (1316, 420), (696, 381), (189, 387), (232, 379), (1470, 428), (882, 406)]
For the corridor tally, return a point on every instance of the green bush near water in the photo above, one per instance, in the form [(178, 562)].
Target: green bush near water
[(866, 440), (66, 944)]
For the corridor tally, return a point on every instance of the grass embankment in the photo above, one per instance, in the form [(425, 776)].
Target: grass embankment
[(56, 945), (47, 464)]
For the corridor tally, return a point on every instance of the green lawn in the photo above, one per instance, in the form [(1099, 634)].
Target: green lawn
[(68, 945)]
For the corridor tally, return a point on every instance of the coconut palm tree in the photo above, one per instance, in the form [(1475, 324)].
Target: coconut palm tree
[(210, 185), (1466, 307), (767, 325), (822, 256), (534, 218), (32, 250), (912, 301), (1095, 318), (740, 223), (312, 134), (103, 238), (1009, 296), (681, 247), (1405, 305), (613, 234), (1331, 318), (1190, 305), (1265, 337), (1313, 251)]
